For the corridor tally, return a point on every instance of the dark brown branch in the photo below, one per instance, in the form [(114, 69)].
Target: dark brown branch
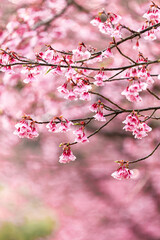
[(42, 23), (103, 126), (35, 64), (149, 155), (124, 54), (107, 99), (129, 38), (152, 93)]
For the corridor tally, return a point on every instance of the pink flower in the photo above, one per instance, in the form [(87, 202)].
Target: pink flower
[(123, 173), (114, 18), (63, 89), (133, 124), (57, 70), (81, 137), (141, 130), (26, 130), (99, 78), (96, 21), (98, 108), (99, 116), (85, 96), (93, 107), (52, 127), (150, 36), (71, 95), (132, 92), (63, 126), (79, 54), (152, 14), (70, 73), (67, 155), (107, 53), (48, 55), (31, 73)]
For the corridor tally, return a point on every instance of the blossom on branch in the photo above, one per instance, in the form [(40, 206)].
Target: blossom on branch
[(98, 108), (67, 155), (63, 125), (108, 23), (123, 173), (24, 129), (80, 135), (133, 124)]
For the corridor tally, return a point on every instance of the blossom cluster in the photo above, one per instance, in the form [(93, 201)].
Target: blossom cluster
[(24, 129), (98, 108), (108, 23), (76, 86), (99, 78), (80, 135), (139, 79), (133, 124), (152, 17), (63, 125)]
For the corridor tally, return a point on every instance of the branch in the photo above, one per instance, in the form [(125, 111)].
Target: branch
[(107, 99), (102, 126), (69, 3), (35, 64), (152, 93), (149, 155), (128, 38), (41, 23), (124, 54)]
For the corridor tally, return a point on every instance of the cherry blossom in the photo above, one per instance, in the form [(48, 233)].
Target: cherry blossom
[(62, 126), (99, 78), (108, 23), (152, 17), (81, 137), (123, 173), (132, 92), (133, 124), (67, 155), (26, 130), (98, 108)]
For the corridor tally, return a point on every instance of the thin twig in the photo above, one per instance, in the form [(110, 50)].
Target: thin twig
[(124, 55), (152, 93), (107, 99), (103, 126), (149, 155)]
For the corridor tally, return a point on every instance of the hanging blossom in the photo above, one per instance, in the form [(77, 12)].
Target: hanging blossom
[(50, 56), (152, 17), (123, 172), (132, 92), (139, 79), (138, 128), (99, 78), (80, 135), (108, 23), (30, 74), (62, 126), (26, 128), (104, 55), (67, 155), (98, 108), (76, 87), (80, 53), (6, 57)]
